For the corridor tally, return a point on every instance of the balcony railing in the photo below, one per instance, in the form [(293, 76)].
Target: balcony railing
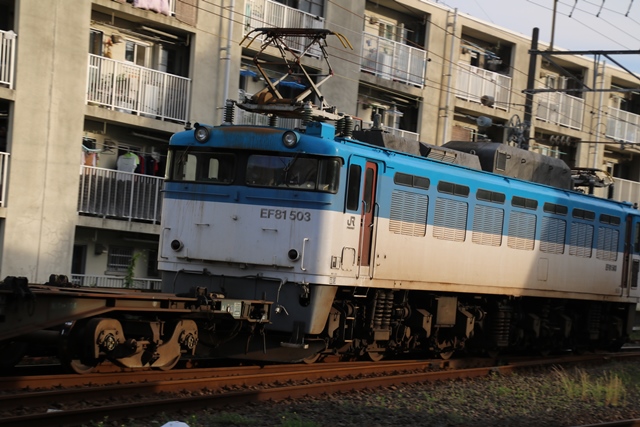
[(472, 83), (412, 136), (120, 195), (7, 57), (623, 126), (269, 13), (626, 191), (560, 109), (393, 60), (89, 281), (4, 163), (138, 90), (244, 117)]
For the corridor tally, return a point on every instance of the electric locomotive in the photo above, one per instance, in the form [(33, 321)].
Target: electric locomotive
[(370, 245)]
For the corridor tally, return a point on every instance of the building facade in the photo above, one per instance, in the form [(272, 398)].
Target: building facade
[(92, 90)]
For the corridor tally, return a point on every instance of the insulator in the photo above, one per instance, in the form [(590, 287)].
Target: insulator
[(348, 126), (229, 111), (273, 120), (340, 126), (307, 114)]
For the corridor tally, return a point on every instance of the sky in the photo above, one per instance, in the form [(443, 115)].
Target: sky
[(579, 24)]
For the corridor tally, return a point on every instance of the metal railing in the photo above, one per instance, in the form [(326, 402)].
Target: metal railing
[(121, 195), (560, 109), (4, 164), (413, 136), (138, 90), (472, 83), (623, 126), (89, 281), (243, 117), (269, 13), (392, 60), (626, 191), (7, 57)]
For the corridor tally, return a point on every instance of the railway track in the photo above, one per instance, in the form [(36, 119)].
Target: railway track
[(75, 400)]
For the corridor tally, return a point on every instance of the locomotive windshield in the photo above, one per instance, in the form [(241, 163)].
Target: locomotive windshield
[(202, 166), (300, 172), (307, 173)]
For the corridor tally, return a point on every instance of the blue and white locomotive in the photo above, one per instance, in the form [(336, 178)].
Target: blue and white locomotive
[(365, 250), (370, 245)]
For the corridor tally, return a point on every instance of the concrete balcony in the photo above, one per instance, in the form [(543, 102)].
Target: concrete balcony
[(268, 13), (472, 83), (119, 195), (129, 88), (560, 109), (7, 58), (89, 281), (623, 126), (392, 60)]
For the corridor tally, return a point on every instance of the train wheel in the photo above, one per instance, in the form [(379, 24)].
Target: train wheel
[(311, 359), (78, 367), (168, 366), (375, 356)]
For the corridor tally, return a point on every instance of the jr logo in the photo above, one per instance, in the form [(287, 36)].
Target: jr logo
[(351, 223)]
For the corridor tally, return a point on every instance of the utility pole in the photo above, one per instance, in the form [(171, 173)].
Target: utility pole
[(553, 23), (528, 102)]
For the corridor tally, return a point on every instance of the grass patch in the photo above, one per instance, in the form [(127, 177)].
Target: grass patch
[(608, 389)]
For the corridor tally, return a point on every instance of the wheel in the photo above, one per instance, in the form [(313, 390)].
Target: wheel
[(169, 365), (78, 367), (311, 359), (375, 356)]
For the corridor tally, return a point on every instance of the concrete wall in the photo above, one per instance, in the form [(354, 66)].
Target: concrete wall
[(47, 130)]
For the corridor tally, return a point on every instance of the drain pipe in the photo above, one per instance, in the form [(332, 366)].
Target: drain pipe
[(227, 70), (445, 130)]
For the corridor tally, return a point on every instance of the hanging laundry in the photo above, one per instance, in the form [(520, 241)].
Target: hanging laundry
[(128, 162)]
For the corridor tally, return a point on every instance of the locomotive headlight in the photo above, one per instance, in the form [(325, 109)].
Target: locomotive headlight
[(176, 245), (289, 139), (201, 133)]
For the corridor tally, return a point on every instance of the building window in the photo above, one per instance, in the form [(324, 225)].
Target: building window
[(119, 258)]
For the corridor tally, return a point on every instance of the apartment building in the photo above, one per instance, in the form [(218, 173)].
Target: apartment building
[(92, 90)]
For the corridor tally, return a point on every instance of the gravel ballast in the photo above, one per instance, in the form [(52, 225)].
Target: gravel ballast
[(555, 396)]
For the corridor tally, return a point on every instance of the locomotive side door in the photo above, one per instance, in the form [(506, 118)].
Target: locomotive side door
[(361, 198), (631, 265)]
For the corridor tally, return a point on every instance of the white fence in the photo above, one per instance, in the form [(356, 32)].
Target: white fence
[(472, 83), (4, 164), (268, 13), (626, 191), (138, 90), (560, 109), (623, 126), (122, 195), (89, 281), (412, 136), (7, 57), (392, 60)]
